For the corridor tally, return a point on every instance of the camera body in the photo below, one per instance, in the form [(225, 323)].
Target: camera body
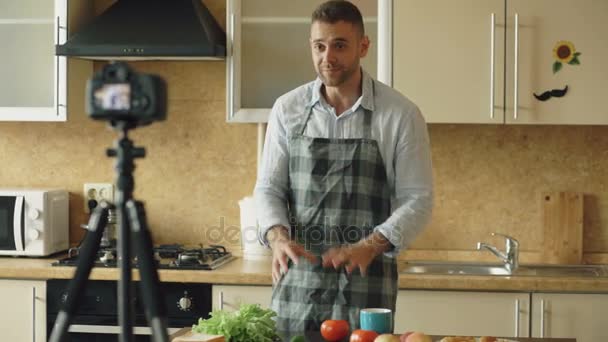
[(117, 93)]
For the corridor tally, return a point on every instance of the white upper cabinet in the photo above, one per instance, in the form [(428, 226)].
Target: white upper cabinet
[(531, 39), (482, 61), (32, 78), (269, 52), (448, 58)]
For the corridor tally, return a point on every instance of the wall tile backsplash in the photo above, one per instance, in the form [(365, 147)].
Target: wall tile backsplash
[(489, 178)]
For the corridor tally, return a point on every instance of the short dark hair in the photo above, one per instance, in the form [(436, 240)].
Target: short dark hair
[(339, 10)]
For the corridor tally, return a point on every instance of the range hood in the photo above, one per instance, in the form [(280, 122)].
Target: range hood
[(149, 30)]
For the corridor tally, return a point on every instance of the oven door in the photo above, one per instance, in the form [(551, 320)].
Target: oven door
[(11, 223), (96, 318)]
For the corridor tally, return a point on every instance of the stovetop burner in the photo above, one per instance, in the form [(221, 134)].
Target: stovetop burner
[(172, 256)]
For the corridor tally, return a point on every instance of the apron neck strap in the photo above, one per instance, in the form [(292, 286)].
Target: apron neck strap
[(367, 117), (308, 111)]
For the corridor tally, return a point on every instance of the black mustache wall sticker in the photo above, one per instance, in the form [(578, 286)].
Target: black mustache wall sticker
[(551, 93)]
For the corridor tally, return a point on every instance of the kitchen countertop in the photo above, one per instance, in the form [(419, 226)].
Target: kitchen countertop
[(257, 272)]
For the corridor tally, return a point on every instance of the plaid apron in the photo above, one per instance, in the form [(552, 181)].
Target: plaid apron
[(338, 194)]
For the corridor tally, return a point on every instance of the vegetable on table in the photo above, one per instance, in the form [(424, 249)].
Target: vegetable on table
[(334, 329), (249, 323)]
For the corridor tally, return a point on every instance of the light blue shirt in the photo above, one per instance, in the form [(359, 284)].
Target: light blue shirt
[(402, 137)]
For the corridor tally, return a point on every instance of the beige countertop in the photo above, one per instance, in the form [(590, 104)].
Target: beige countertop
[(254, 272)]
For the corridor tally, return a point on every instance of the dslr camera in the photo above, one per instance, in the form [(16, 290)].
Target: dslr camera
[(117, 93)]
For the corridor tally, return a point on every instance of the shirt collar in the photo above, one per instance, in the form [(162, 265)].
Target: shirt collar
[(367, 97)]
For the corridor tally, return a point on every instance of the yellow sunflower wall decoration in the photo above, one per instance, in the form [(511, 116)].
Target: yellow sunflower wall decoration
[(564, 52)]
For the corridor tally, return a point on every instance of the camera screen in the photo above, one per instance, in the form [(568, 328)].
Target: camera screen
[(113, 96)]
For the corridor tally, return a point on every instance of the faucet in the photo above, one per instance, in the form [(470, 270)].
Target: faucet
[(511, 255)]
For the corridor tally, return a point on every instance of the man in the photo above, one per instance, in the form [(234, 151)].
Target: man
[(345, 183)]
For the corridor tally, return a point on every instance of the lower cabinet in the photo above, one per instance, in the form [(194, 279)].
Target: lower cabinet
[(580, 316), (23, 310), (469, 313), (463, 313), (230, 297)]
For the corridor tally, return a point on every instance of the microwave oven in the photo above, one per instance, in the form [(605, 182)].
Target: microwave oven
[(33, 222)]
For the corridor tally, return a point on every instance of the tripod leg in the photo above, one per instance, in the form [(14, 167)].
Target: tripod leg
[(86, 258), (126, 312), (155, 309)]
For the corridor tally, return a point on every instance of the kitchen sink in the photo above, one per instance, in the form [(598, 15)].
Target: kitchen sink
[(483, 269), (454, 268)]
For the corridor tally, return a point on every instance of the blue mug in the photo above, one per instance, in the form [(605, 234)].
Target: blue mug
[(376, 319)]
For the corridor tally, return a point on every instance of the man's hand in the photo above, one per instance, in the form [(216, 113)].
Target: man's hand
[(358, 255), (284, 248)]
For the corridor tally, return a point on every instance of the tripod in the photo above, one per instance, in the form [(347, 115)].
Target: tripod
[(131, 224)]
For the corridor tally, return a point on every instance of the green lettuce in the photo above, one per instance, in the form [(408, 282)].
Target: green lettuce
[(249, 323)]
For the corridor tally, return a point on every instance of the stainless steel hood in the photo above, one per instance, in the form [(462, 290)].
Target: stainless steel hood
[(148, 30)]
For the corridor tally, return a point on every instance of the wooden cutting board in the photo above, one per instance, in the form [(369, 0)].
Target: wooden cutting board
[(186, 335), (562, 220)]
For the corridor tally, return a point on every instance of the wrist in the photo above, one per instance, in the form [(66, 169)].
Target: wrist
[(376, 243), (275, 234)]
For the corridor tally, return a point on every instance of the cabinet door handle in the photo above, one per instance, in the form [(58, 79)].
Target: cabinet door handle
[(516, 68), (221, 306), (57, 75), (492, 65), (34, 314), (542, 318), (231, 67), (57, 104), (517, 318)]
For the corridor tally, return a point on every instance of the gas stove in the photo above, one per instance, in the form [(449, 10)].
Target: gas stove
[(173, 257)]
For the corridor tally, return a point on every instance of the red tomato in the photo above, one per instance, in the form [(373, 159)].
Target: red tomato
[(334, 329), (361, 335)]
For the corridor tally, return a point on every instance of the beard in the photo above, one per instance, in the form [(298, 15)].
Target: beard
[(336, 75)]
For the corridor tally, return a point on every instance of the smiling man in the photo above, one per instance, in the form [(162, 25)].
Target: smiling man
[(345, 183)]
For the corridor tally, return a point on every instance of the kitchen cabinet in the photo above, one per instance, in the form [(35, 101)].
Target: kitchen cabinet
[(230, 297), (463, 313), (35, 82), (23, 310), (481, 61), (580, 316), (269, 54), (33, 86)]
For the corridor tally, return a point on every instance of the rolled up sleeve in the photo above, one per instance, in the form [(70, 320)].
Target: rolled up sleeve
[(412, 198), (271, 187)]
